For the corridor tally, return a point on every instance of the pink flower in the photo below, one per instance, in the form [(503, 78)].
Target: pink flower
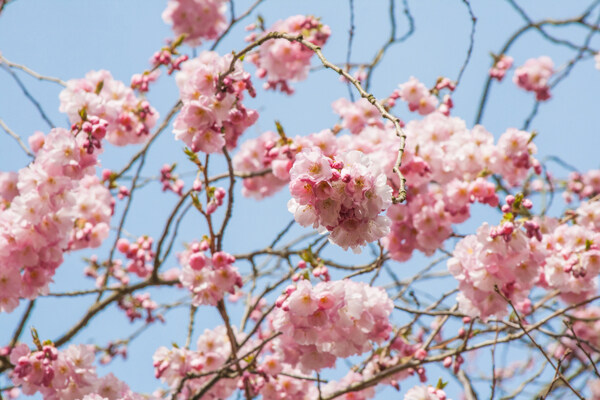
[(314, 336), (417, 96), (534, 76), (212, 117), (197, 19), (343, 195), (110, 108), (282, 61), (503, 64), (208, 278)]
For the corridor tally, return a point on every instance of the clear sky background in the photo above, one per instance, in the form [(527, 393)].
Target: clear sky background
[(67, 39)]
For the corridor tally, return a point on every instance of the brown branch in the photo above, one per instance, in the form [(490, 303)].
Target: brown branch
[(17, 138)]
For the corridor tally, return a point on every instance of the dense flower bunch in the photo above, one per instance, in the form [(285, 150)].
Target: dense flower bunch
[(38, 223), (572, 263), (520, 254), (445, 165), (330, 320), (584, 185), (270, 151), (99, 102), (341, 181), (135, 305), (213, 349), (139, 253), (65, 375), (418, 97), (281, 61), (534, 76), (212, 116), (276, 386), (357, 115), (208, 278), (197, 19), (343, 195), (170, 181), (486, 261), (503, 63), (94, 207)]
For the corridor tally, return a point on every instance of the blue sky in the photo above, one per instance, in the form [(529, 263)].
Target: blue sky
[(67, 39)]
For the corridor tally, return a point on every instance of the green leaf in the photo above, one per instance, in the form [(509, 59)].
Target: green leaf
[(441, 384), (83, 114), (99, 87)]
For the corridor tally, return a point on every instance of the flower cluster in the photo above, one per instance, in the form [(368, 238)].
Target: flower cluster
[(134, 305), (141, 82), (65, 375), (271, 151), (418, 97), (343, 195), (256, 155), (275, 386), (514, 156), (213, 350), (503, 63), (139, 253), (330, 320), (573, 261), (213, 115), (357, 115), (39, 221), (170, 181), (281, 61), (445, 165), (196, 19), (534, 76), (584, 185), (94, 207), (486, 261), (208, 278), (99, 102)]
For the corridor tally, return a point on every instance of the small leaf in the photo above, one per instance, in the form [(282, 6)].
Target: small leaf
[(83, 114), (36, 339), (99, 87)]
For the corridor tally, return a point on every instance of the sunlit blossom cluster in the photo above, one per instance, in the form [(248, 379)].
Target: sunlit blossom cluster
[(534, 76), (329, 320), (343, 195), (99, 98), (45, 213), (503, 63), (418, 97), (270, 151), (281, 61), (65, 375), (213, 115), (198, 19), (212, 351), (208, 278)]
